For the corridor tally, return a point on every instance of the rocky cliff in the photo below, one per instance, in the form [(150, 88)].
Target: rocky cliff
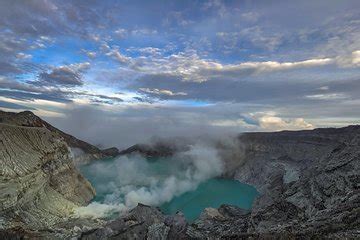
[(82, 151), (309, 180), (39, 184)]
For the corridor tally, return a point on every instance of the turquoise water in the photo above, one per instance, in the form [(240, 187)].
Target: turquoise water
[(211, 193), (173, 184)]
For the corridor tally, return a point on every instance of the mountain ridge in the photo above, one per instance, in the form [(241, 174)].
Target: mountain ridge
[(29, 119)]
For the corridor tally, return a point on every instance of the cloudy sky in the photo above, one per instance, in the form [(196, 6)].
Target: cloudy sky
[(121, 72)]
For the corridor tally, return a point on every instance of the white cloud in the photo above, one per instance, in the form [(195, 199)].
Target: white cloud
[(144, 31), (78, 66), (265, 121), (23, 56), (121, 33), (146, 50), (274, 123), (190, 67), (162, 92), (115, 53), (90, 54), (329, 96), (352, 60), (229, 123), (250, 16), (324, 88), (260, 38), (356, 58)]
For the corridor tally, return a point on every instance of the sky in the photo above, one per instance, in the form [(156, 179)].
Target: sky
[(116, 73)]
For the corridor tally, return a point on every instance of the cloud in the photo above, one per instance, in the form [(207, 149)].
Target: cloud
[(190, 67), (250, 16), (61, 76), (267, 121), (115, 54), (324, 88), (176, 18), (23, 56), (147, 51), (356, 58), (352, 60), (141, 122), (68, 75), (259, 38), (121, 33), (6, 68), (10, 105), (278, 88), (271, 123), (90, 54), (144, 31), (327, 96), (156, 91)]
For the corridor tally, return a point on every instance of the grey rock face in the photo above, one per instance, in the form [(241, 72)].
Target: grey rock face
[(143, 222), (309, 181), (140, 223), (158, 231), (39, 185), (88, 151)]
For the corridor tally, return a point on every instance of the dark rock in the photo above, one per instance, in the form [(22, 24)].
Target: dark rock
[(134, 225), (149, 151), (159, 148), (177, 225), (12, 234), (113, 152)]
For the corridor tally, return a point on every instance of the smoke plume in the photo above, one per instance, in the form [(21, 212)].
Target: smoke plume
[(126, 181)]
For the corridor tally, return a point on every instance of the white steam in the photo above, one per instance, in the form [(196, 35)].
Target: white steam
[(127, 181)]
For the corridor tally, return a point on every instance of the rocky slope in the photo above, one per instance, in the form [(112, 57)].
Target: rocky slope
[(81, 150), (39, 184), (310, 180)]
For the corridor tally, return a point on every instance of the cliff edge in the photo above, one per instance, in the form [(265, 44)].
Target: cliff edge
[(39, 184)]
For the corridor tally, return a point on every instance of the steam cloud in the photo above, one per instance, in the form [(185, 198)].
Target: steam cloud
[(137, 180)]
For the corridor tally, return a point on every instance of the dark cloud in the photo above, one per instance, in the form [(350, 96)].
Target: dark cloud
[(62, 76), (29, 96), (28, 92), (9, 68), (14, 106), (97, 98), (280, 88), (35, 90), (113, 99), (48, 17)]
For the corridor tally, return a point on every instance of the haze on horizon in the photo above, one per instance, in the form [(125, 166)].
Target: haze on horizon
[(120, 72)]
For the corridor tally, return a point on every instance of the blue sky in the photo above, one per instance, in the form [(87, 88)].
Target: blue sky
[(170, 68)]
